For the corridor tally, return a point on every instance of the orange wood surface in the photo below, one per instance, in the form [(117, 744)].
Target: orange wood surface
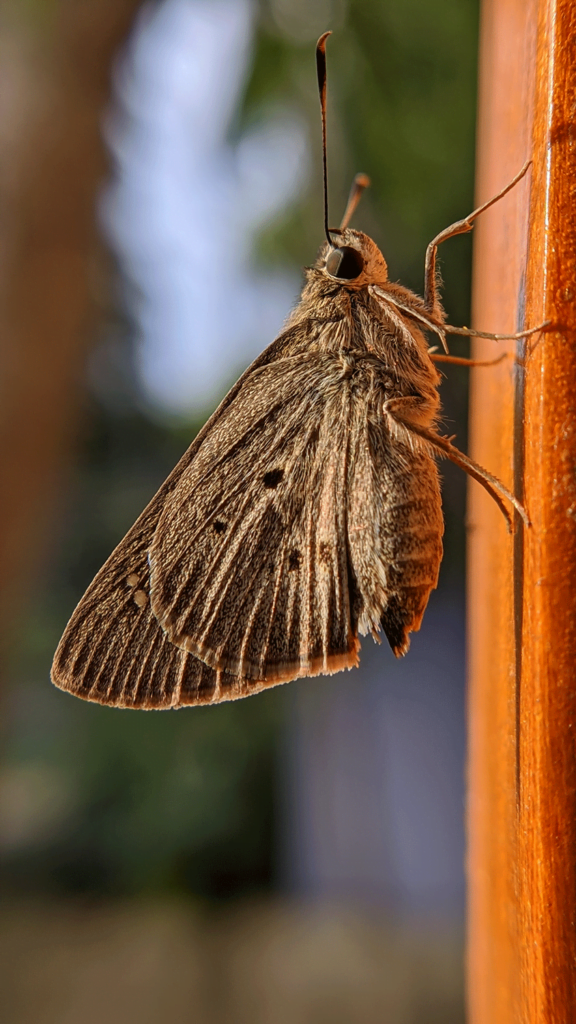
[(522, 589)]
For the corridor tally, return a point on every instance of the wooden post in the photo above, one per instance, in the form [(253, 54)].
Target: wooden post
[(522, 596)]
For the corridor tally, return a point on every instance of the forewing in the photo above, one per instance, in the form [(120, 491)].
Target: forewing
[(113, 650), (249, 565)]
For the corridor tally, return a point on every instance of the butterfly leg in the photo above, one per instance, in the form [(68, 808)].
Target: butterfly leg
[(469, 332), (401, 415), (458, 361), (460, 227)]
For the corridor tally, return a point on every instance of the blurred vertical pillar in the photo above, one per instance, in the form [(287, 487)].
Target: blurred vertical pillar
[(55, 78), (522, 589)]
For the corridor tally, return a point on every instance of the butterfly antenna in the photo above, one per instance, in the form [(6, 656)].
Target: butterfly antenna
[(361, 181), (321, 69)]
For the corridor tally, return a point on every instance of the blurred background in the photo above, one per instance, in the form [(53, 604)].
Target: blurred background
[(297, 856)]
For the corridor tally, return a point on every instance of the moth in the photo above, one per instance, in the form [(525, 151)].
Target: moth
[(307, 511)]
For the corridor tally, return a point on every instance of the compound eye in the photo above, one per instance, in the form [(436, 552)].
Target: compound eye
[(345, 263)]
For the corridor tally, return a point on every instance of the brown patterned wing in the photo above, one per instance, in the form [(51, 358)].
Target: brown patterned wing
[(293, 522), (249, 563), (113, 650)]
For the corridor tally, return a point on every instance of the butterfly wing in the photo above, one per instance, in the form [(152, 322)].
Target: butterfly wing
[(294, 521), (113, 650), (249, 564)]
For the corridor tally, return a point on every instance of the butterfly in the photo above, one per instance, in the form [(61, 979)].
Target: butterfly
[(307, 511)]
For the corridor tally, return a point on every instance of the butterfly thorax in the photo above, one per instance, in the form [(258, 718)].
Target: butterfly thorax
[(364, 326)]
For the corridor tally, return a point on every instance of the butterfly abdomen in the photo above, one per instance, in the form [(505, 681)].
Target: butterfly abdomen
[(395, 522), (412, 528)]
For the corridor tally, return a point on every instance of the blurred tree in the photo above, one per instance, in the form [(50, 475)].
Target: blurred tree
[(56, 64)]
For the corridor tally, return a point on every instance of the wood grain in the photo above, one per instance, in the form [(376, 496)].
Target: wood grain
[(522, 597)]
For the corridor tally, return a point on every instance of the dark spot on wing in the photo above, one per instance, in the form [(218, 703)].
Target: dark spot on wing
[(294, 560), (219, 526), (273, 478)]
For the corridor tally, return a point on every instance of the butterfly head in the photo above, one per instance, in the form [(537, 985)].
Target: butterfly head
[(353, 259)]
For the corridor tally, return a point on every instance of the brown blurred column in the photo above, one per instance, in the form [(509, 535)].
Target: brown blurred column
[(55, 82), (522, 596)]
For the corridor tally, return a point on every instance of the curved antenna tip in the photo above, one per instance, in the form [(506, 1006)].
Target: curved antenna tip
[(321, 44)]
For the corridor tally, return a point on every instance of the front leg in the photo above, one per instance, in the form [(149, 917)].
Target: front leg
[(409, 419), (460, 227)]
